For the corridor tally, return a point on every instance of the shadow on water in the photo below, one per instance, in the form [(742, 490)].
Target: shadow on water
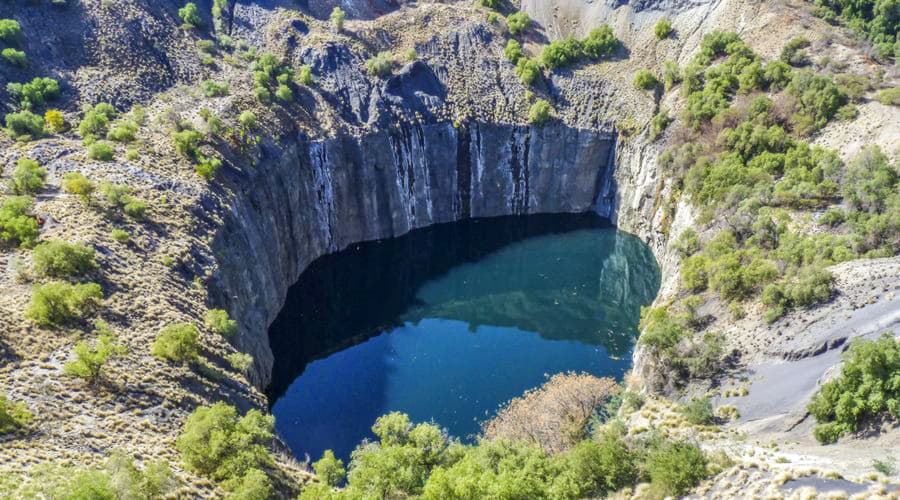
[(404, 305)]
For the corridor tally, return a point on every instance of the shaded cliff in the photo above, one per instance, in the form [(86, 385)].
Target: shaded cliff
[(317, 197)]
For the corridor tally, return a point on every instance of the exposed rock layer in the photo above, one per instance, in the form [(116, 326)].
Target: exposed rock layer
[(317, 197)]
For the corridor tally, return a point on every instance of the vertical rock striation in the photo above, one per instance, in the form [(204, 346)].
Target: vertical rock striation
[(318, 197)]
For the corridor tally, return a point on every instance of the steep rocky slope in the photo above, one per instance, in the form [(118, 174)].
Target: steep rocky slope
[(355, 157)]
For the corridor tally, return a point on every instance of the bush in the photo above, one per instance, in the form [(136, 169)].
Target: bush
[(687, 243), (889, 97), (380, 65), (866, 388), (208, 167), (337, 19), (10, 30), (240, 361), (793, 52), (513, 51), (818, 100), (329, 469), (539, 113), (28, 177), (254, 485), (123, 131), (600, 42), (659, 123), (17, 225), (305, 76), (676, 467), (24, 125), (217, 321), (13, 416), (284, 93), (56, 304), (694, 277), (79, 185), (528, 70), (247, 119), (34, 94), (119, 235), (216, 443), (186, 143), (178, 342), (699, 411), (663, 28), (214, 89), (96, 120), (58, 259), (645, 80), (55, 120), (14, 57), (91, 358), (100, 151), (561, 53), (518, 22), (190, 15)]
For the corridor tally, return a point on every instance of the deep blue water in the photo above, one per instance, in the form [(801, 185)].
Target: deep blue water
[(449, 322)]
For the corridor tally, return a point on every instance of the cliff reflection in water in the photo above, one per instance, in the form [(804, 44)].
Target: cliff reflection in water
[(540, 294)]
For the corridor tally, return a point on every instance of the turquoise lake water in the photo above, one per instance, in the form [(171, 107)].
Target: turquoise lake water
[(449, 322)]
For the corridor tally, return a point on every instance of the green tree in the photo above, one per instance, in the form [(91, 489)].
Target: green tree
[(17, 225), (540, 112), (90, 358), (600, 42), (10, 30), (217, 321), (337, 19), (24, 125), (676, 467), (518, 22), (79, 185), (330, 469)]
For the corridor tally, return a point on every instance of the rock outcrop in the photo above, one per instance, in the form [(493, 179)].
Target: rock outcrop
[(316, 197)]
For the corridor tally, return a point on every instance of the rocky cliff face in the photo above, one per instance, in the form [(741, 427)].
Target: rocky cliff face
[(316, 197)]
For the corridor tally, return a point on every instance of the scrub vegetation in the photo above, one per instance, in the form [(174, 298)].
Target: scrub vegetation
[(523, 453)]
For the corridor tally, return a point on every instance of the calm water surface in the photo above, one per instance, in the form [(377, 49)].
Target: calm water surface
[(449, 322)]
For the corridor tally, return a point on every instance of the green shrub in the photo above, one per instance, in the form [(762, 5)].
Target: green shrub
[(659, 123), (135, 208), (645, 80), (676, 467), (699, 411), (58, 259), (90, 358), (561, 53), (889, 97), (96, 120), (528, 70), (14, 57), (17, 225), (284, 93), (208, 167), (240, 361), (818, 100), (214, 89), (777, 74), (13, 416), (513, 51), (123, 131), (10, 30), (177, 342), (540, 112), (337, 19), (866, 388), (34, 94), (329, 469), (217, 321), (24, 125), (56, 304), (120, 235), (247, 119), (28, 177), (663, 28), (671, 74), (79, 185), (380, 65), (687, 243), (694, 276), (100, 151), (793, 52), (600, 42), (254, 485), (594, 468), (491, 4), (190, 15), (518, 22), (216, 443), (305, 76), (186, 143)]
